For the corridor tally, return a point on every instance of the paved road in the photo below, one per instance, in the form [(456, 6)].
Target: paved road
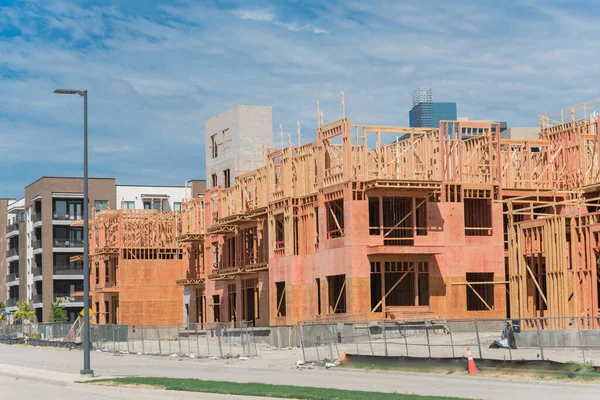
[(59, 365)]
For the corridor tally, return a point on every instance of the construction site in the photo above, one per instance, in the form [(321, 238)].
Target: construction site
[(395, 223)]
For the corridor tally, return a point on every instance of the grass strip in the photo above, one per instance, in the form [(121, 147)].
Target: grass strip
[(260, 389)]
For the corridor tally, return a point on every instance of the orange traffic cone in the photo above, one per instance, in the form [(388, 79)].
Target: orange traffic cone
[(471, 363)]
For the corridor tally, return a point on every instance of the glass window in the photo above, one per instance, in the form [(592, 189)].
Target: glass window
[(158, 205), (101, 205), (128, 205), (177, 206), (147, 205), (60, 207)]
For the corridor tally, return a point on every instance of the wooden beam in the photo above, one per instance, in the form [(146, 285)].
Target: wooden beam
[(480, 298), (339, 297), (536, 284), (281, 300), (336, 221), (404, 219), (392, 288)]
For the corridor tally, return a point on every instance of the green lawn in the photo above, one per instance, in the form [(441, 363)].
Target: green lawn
[(261, 389)]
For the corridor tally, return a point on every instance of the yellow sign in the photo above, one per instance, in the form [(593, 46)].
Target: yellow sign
[(91, 312)]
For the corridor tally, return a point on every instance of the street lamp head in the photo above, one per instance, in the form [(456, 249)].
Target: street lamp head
[(69, 91)]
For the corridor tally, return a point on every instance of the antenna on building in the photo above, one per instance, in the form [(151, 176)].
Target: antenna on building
[(319, 114), (343, 105), (298, 124)]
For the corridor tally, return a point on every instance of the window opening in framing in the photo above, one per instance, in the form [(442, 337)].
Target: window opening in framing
[(316, 227), (216, 308), (280, 286), (318, 296), (215, 254), (215, 180), (376, 289), (279, 232), (478, 217), (335, 218), (374, 216), (337, 294), (421, 216), (232, 299), (399, 284), (250, 300), (397, 221), (480, 291), (296, 238)]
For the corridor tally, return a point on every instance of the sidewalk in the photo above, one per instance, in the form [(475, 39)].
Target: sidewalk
[(61, 364)]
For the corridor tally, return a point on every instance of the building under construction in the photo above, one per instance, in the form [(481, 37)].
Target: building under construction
[(395, 223), (133, 259), (391, 222)]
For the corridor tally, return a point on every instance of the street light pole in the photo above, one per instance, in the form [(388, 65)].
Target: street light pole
[(86, 246)]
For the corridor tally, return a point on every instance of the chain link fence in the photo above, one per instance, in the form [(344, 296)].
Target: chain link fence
[(224, 340), (493, 339)]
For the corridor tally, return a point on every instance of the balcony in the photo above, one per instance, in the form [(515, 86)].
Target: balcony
[(37, 271), (11, 302), (66, 243), (12, 252), (37, 217), (36, 244), (67, 216), (12, 277), (37, 298), (12, 228), (68, 270), (67, 299)]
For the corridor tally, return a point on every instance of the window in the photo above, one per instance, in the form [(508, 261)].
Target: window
[(318, 296), (216, 307), (480, 291), (213, 146), (279, 232), (214, 179), (478, 217), (215, 254), (400, 284), (226, 179), (337, 294), (225, 140), (157, 205), (374, 216), (335, 219), (128, 205), (177, 206), (280, 286), (101, 205), (97, 273)]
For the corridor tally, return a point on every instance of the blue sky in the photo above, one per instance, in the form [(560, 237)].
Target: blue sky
[(156, 70)]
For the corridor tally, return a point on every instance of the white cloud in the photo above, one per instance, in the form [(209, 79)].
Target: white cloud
[(154, 76), (264, 15)]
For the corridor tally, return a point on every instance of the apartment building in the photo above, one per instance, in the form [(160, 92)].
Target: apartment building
[(40, 237), (160, 198)]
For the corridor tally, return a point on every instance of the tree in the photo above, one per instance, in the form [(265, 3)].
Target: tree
[(24, 311), (57, 312), (2, 308)]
